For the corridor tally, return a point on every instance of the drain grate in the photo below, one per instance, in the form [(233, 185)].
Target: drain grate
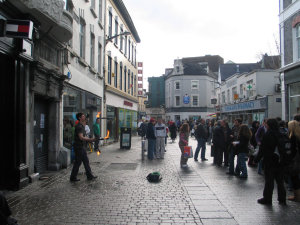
[(122, 166)]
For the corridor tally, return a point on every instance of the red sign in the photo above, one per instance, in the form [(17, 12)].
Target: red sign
[(128, 103), (140, 78), (140, 64), (140, 71)]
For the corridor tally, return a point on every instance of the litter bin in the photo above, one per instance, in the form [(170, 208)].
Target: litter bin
[(125, 139)]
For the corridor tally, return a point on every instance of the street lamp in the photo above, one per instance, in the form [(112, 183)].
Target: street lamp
[(121, 34)]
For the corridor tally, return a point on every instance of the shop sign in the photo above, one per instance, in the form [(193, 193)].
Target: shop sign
[(128, 103), (186, 99), (244, 106)]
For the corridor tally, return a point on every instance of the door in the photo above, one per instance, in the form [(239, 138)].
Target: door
[(40, 135)]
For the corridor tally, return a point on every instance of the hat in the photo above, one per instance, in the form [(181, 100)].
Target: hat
[(152, 120)]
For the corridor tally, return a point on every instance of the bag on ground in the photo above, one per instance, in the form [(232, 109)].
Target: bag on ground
[(154, 177)]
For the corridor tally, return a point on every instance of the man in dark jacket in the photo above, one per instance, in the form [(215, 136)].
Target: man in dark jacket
[(273, 169), (219, 143), (150, 135), (201, 134)]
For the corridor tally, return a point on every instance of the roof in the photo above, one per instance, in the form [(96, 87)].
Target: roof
[(213, 61), (227, 70), (121, 7)]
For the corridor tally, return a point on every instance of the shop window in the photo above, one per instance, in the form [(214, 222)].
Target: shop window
[(294, 100)]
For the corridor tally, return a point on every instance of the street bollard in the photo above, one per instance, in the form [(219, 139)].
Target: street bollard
[(143, 149)]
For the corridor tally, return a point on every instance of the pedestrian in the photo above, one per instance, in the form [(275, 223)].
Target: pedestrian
[(219, 142), (273, 169), (259, 137), (232, 151), (242, 150), (96, 130), (227, 133), (160, 134), (183, 141), (201, 135), (80, 150), (5, 212), (254, 128), (210, 131), (173, 131), (294, 171), (150, 134), (143, 129)]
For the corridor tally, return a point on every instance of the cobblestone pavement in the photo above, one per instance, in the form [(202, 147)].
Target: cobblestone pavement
[(200, 194)]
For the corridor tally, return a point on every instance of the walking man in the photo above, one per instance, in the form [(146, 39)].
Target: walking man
[(160, 134), (80, 150), (201, 134)]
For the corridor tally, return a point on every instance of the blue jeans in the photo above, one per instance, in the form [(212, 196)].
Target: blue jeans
[(241, 164), (151, 148), (231, 160), (201, 145)]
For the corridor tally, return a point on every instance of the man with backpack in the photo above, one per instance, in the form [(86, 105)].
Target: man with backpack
[(201, 134)]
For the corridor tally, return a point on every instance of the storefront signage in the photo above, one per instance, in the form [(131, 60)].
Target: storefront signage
[(244, 106), (19, 28), (128, 103), (186, 99)]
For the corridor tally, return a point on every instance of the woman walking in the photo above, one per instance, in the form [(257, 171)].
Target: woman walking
[(241, 147), (183, 141)]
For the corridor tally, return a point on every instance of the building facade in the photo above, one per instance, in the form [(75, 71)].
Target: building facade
[(32, 87), (250, 96), (84, 88), (289, 22), (121, 71), (190, 86)]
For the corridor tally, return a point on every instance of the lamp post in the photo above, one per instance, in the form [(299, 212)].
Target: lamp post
[(113, 37)]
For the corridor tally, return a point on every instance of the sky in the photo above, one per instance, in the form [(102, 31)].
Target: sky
[(237, 30)]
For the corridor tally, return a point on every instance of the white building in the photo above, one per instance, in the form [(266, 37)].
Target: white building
[(83, 91), (250, 96)]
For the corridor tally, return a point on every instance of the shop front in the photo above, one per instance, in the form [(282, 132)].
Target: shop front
[(76, 100), (249, 111)]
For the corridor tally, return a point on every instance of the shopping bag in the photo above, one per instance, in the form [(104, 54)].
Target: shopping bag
[(188, 152)]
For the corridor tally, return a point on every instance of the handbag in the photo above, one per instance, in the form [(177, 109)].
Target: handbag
[(188, 152)]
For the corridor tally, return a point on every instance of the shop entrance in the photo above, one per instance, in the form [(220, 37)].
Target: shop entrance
[(40, 135)]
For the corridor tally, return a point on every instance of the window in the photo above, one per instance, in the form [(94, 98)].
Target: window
[(129, 49), (99, 58), (177, 100), (100, 10), (294, 99), (82, 39), (223, 97), (195, 100), (234, 93), (109, 70), (121, 39), (125, 47), (128, 81), (116, 74), (132, 83), (93, 4), (250, 88), (116, 31), (241, 90), (135, 56), (177, 85), (298, 39), (121, 76), (92, 56), (110, 25), (125, 75), (228, 96), (195, 84)]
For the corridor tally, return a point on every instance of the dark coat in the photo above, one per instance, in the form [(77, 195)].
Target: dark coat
[(242, 147), (219, 137), (150, 131), (267, 149), (201, 132), (173, 130)]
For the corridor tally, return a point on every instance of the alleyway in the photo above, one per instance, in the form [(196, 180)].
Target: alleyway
[(201, 194)]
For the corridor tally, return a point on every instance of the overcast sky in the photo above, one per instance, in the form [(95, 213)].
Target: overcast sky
[(237, 30)]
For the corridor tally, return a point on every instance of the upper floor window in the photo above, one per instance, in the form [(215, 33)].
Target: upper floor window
[(116, 74), (116, 31), (109, 70), (223, 97), (82, 39), (298, 40), (121, 39), (194, 84), (100, 9), (99, 58), (177, 100), (125, 47), (177, 85), (234, 93), (228, 96), (241, 90), (92, 56), (110, 24), (195, 100)]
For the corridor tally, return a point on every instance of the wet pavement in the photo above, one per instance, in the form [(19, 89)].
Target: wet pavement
[(199, 194)]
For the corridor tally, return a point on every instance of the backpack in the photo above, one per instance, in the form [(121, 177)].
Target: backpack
[(284, 148), (154, 177)]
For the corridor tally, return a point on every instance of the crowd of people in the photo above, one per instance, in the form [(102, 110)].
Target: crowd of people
[(272, 146)]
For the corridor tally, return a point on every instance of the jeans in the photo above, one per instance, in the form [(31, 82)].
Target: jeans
[(160, 147), (241, 163), (259, 168), (231, 160), (151, 148), (201, 145)]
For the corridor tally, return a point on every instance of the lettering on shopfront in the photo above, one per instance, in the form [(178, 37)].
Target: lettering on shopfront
[(258, 104), (128, 103)]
